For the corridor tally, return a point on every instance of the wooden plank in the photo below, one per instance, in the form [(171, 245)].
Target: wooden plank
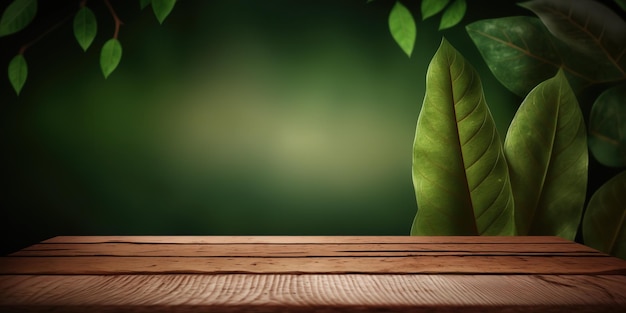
[(301, 250), (305, 239), (417, 264), (313, 293)]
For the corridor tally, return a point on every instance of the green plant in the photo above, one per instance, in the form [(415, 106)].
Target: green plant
[(468, 183), (20, 13)]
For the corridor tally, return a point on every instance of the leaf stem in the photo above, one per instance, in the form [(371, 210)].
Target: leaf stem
[(117, 20)]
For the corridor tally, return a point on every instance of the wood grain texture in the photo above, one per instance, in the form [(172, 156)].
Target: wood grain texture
[(311, 274), (314, 293), (269, 265), (306, 239), (305, 250)]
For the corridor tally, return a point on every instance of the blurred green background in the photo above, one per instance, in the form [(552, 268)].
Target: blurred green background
[(232, 118)]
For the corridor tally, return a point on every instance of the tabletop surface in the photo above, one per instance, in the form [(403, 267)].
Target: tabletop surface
[(310, 274)]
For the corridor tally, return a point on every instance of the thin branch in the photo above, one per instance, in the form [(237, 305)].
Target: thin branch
[(48, 31), (117, 20)]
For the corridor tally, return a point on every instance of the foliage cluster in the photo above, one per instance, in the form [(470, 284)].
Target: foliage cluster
[(20, 13), (468, 183)]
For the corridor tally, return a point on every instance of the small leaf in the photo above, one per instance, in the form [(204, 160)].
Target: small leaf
[(622, 4), (144, 3), (453, 14), (110, 56), (546, 149), (460, 174), (607, 127), (432, 7), (17, 16), (18, 71), (587, 26), (402, 27), (85, 27), (521, 53), (162, 8), (604, 224)]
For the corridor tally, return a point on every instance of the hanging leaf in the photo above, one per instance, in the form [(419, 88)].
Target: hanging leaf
[(453, 14), (17, 16), (546, 148), (521, 53), (18, 71), (144, 3), (432, 7), (587, 26), (110, 56), (604, 224), (162, 8), (607, 127), (459, 171), (402, 27), (85, 27)]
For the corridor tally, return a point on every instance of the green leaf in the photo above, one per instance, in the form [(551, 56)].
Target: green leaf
[(453, 14), (85, 27), (18, 71), (589, 27), (402, 27), (17, 16), (144, 3), (162, 8), (604, 224), (622, 4), (432, 7), (607, 127), (459, 171), (546, 149), (521, 53), (110, 56)]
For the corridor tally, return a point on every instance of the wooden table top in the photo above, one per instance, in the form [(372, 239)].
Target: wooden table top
[(311, 274)]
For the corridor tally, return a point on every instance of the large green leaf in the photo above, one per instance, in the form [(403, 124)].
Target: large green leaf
[(546, 149), (110, 56), (589, 27), (453, 14), (604, 224), (85, 27), (18, 71), (521, 53), (402, 27), (162, 8), (607, 127), (432, 7), (459, 170), (17, 16)]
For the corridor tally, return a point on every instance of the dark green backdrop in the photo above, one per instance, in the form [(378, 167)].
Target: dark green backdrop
[(233, 117)]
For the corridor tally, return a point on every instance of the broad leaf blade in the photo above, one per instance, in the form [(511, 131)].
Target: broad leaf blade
[(546, 149), (607, 127), (18, 71), (459, 171), (162, 8), (110, 56), (604, 224), (432, 7), (144, 3), (85, 27), (521, 53), (453, 14), (17, 16), (402, 27), (622, 4), (587, 26)]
